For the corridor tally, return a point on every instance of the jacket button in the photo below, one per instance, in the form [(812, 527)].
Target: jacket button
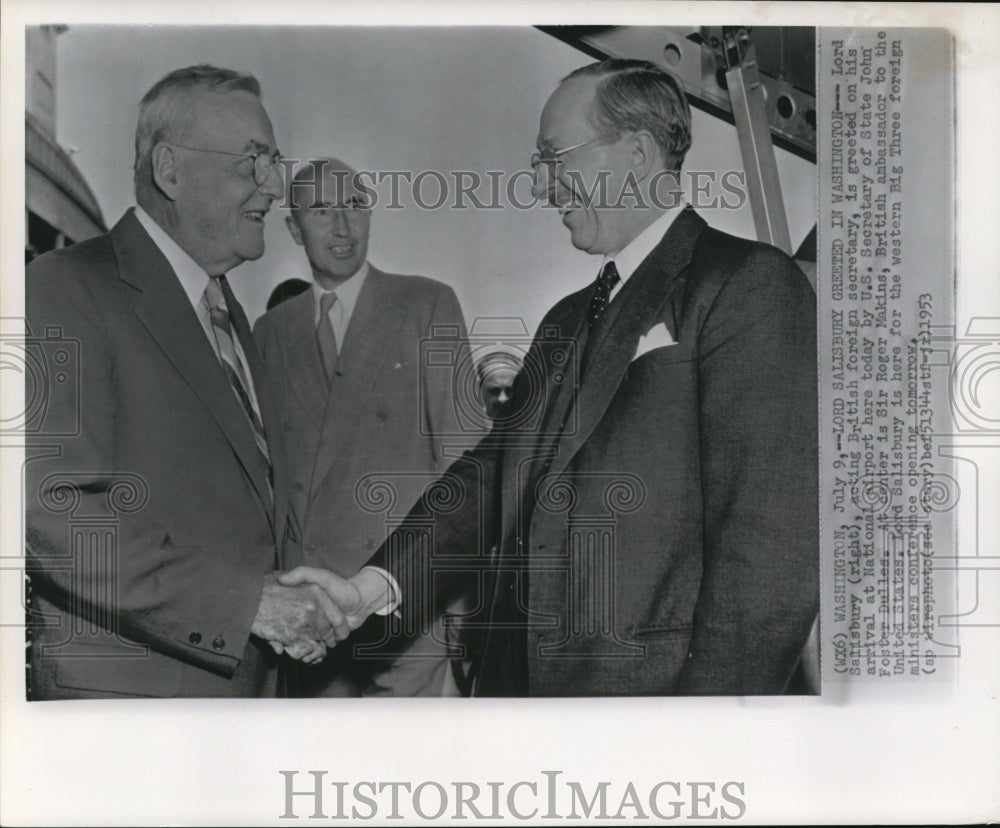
[(219, 643), (370, 543), (299, 487), (195, 638), (381, 416)]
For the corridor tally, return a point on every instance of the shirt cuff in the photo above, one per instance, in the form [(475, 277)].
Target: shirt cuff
[(394, 599)]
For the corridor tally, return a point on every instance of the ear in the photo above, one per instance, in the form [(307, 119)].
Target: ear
[(166, 176), (645, 154), (293, 227)]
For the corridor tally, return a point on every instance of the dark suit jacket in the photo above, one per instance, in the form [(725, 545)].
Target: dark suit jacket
[(149, 524), (384, 421), (654, 529)]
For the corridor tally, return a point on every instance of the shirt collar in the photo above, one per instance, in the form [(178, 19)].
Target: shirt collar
[(189, 273), (347, 292), (627, 260)]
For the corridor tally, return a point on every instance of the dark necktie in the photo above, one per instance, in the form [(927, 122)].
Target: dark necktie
[(325, 337), (223, 330), (606, 281)]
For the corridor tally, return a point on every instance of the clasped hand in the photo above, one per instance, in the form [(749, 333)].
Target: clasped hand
[(307, 610)]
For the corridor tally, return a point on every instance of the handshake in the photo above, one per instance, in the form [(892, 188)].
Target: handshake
[(306, 610)]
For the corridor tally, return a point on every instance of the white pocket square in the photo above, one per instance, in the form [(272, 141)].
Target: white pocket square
[(657, 337)]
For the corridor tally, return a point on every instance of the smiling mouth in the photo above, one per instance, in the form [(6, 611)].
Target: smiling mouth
[(341, 250), (256, 216)]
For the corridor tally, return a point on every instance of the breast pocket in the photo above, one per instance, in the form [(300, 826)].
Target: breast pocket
[(664, 355), (397, 376), (667, 373)]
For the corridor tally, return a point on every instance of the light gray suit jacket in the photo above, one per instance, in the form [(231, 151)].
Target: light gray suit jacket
[(381, 428), (150, 525)]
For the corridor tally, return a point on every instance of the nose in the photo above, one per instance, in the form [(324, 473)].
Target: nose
[(274, 184), (340, 222), (503, 395), (541, 185)]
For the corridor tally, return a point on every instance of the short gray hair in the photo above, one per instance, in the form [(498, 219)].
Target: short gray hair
[(635, 95), (166, 111)]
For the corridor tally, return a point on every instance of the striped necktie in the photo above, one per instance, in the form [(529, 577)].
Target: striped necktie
[(326, 339), (223, 330)]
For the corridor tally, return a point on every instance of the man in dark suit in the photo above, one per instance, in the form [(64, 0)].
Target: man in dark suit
[(156, 493), (655, 530), (357, 410)]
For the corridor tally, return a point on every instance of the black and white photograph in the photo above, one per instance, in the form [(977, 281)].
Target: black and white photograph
[(416, 415)]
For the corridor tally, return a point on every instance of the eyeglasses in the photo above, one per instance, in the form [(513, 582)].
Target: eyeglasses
[(263, 160), (554, 158)]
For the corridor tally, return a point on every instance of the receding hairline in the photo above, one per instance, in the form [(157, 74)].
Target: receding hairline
[(327, 162), (305, 176), (629, 91), (167, 108), (202, 77)]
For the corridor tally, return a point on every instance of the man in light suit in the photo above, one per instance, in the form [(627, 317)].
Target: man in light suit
[(156, 492), (345, 359), (655, 531)]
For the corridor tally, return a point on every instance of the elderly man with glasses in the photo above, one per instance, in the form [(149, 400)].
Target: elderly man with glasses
[(654, 532), (155, 481)]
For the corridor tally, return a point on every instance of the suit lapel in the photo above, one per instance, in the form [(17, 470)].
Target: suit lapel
[(638, 307), (163, 308), (303, 365), (560, 389), (369, 343)]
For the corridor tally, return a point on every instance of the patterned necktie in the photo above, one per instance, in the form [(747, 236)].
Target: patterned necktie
[(606, 281), (223, 329), (325, 337)]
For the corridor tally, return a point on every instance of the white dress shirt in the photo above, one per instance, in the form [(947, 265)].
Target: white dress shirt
[(628, 259), (194, 280), (342, 310)]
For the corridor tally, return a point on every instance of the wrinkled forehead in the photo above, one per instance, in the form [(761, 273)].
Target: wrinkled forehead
[(327, 182), (499, 376), (567, 113), (237, 118)]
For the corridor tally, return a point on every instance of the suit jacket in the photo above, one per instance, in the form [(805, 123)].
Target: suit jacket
[(654, 529), (384, 424), (150, 527)]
